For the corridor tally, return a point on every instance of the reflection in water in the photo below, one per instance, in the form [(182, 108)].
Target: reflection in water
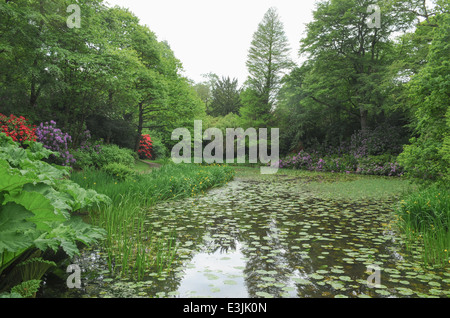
[(215, 274), (274, 239)]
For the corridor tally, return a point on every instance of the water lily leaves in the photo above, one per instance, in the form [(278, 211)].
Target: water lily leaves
[(345, 278), (264, 294), (383, 292), (337, 271), (301, 281), (230, 282), (316, 276), (404, 291), (211, 276), (273, 235), (336, 285)]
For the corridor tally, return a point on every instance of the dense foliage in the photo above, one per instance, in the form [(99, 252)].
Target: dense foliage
[(111, 75), (365, 100), (37, 202)]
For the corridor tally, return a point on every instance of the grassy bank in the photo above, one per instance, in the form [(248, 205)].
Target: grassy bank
[(131, 248)]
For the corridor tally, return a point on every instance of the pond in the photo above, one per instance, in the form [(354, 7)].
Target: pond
[(269, 237)]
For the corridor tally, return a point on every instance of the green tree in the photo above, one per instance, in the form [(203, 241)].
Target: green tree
[(110, 68), (66, 74), (225, 97), (181, 103), (204, 89), (267, 61), (428, 155), (350, 55)]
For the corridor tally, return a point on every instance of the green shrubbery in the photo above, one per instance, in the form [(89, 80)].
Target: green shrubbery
[(103, 156), (119, 171), (113, 154), (36, 204), (159, 150)]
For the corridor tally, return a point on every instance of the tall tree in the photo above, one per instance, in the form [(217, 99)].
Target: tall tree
[(428, 155), (350, 53), (267, 61)]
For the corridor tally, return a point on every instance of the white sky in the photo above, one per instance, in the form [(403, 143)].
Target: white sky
[(215, 35)]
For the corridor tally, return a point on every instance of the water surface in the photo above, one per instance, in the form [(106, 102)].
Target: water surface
[(270, 238)]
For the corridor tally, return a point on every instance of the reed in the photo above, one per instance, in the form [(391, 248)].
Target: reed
[(132, 249), (424, 219)]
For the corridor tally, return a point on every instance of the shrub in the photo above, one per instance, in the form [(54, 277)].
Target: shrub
[(119, 171), (159, 150), (17, 128), (424, 161), (87, 144), (84, 154), (145, 147), (54, 139), (113, 154), (383, 139), (83, 159), (371, 165)]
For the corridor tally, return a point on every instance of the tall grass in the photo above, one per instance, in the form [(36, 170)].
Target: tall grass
[(424, 218), (132, 249)]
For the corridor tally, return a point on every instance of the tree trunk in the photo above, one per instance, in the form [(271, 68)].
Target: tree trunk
[(363, 118), (140, 127)]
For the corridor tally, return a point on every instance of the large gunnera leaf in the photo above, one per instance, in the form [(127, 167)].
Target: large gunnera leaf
[(14, 228)]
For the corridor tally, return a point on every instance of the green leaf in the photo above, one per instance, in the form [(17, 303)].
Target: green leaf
[(60, 201), (10, 182), (40, 206), (85, 232), (14, 227)]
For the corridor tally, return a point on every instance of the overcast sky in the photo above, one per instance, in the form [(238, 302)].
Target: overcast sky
[(215, 35)]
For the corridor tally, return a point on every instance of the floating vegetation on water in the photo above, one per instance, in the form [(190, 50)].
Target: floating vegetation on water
[(274, 238)]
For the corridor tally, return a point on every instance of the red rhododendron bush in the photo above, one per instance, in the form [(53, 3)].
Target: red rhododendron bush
[(145, 147), (17, 128)]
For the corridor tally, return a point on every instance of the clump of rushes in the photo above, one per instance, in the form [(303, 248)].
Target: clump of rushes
[(424, 217), (132, 249)]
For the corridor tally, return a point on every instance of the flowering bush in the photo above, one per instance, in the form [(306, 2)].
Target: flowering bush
[(54, 139), (370, 165), (86, 143), (376, 142), (84, 155), (17, 128), (145, 147), (368, 152)]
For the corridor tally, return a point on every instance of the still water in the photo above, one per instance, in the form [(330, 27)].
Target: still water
[(259, 238)]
